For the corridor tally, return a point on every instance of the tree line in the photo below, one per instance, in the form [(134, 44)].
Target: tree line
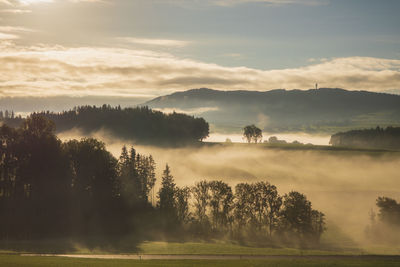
[(140, 124), (378, 138), (252, 133), (52, 189), (252, 211), (9, 117)]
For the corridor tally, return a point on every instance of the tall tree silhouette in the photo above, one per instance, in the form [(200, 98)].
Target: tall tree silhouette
[(182, 198), (94, 184), (221, 203), (166, 196), (201, 196)]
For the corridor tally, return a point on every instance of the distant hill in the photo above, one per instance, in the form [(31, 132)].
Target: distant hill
[(323, 110)]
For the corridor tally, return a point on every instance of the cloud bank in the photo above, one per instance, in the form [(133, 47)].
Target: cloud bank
[(273, 2), (154, 42), (99, 71), (230, 3)]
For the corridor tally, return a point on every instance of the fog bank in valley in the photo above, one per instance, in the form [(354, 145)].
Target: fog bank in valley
[(342, 184)]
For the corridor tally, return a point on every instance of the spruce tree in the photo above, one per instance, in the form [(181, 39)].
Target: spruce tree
[(166, 197)]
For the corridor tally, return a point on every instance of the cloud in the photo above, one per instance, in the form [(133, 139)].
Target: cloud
[(7, 36), (15, 29), (17, 4), (232, 55), (23, 2), (17, 7), (155, 42), (230, 3), (272, 2), (15, 11), (31, 2), (11, 33), (98, 71)]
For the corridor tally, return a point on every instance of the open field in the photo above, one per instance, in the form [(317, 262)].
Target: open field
[(186, 248), (16, 260), (162, 248), (193, 248), (198, 248), (192, 254)]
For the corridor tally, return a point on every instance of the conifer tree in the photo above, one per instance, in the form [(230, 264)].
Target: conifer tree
[(166, 197)]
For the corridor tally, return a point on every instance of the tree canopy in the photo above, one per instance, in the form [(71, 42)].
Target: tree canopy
[(251, 133)]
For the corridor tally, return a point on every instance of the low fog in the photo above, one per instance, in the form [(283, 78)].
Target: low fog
[(342, 184), (305, 138)]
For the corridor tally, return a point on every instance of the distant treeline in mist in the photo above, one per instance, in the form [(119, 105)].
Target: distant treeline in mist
[(378, 138), (8, 117), (140, 124), (385, 226), (54, 189)]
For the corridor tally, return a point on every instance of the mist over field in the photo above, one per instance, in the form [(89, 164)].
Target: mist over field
[(305, 138), (344, 187), (342, 184)]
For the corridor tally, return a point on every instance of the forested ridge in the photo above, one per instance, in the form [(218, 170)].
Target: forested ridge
[(378, 138), (140, 124), (54, 189)]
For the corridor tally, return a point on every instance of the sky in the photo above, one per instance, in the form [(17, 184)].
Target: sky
[(139, 49)]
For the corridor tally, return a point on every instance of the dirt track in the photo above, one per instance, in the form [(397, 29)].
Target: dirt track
[(212, 257)]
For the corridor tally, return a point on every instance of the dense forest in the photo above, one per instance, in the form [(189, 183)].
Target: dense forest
[(140, 124), (77, 189), (378, 138)]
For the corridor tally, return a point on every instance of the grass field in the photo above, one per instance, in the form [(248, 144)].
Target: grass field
[(229, 249), (197, 248), (194, 248), (323, 257), (184, 248), (158, 247), (15, 260)]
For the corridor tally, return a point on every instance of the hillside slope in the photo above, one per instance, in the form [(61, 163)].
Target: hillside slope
[(322, 110)]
